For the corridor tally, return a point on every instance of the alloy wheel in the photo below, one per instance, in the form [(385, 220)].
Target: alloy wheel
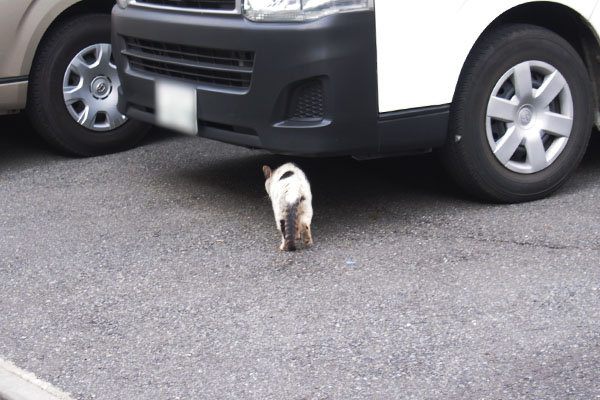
[(529, 117), (90, 89)]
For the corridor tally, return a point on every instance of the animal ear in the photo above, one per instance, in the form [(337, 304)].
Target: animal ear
[(267, 171)]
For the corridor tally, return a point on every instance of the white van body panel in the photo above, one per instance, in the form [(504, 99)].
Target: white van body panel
[(419, 61)]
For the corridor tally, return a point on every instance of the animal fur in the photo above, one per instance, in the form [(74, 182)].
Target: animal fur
[(291, 199)]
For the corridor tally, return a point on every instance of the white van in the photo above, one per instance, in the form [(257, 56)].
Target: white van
[(507, 90)]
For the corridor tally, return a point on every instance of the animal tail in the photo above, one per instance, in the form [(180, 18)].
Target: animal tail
[(291, 225)]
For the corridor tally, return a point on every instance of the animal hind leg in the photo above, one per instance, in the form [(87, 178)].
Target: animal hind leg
[(282, 228), (298, 230), (306, 235)]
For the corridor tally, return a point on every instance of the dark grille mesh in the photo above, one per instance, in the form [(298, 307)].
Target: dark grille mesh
[(308, 103), (224, 68)]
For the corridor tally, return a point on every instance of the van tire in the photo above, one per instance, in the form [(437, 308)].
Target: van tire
[(473, 154)]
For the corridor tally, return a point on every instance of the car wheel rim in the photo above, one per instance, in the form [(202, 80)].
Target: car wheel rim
[(90, 89), (529, 117)]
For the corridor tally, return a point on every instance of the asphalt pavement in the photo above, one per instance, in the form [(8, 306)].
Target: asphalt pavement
[(154, 274)]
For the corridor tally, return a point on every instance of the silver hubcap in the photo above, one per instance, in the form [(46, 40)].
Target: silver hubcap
[(90, 89), (529, 117)]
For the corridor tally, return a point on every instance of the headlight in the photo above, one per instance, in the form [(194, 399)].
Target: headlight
[(299, 10), (123, 3)]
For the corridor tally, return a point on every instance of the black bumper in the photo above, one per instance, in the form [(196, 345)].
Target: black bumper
[(312, 90)]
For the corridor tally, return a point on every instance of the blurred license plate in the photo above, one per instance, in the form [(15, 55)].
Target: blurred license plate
[(176, 107)]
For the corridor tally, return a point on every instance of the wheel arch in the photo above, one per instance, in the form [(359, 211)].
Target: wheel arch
[(565, 22), (43, 20)]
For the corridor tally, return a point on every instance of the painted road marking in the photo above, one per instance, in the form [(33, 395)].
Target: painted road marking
[(17, 384)]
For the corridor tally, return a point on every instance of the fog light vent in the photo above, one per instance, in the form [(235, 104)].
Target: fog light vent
[(308, 102)]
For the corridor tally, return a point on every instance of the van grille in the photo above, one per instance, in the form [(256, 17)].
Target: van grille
[(220, 68), (219, 5)]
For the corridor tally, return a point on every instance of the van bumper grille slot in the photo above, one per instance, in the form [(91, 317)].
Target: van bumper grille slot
[(218, 68), (199, 5)]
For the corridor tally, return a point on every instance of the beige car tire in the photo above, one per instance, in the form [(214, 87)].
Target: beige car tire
[(73, 90)]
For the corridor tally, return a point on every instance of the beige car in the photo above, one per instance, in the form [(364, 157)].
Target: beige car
[(56, 63)]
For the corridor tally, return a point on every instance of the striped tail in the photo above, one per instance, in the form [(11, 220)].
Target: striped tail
[(291, 222)]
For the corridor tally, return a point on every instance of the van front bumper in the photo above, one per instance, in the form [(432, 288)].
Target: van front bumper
[(292, 88)]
